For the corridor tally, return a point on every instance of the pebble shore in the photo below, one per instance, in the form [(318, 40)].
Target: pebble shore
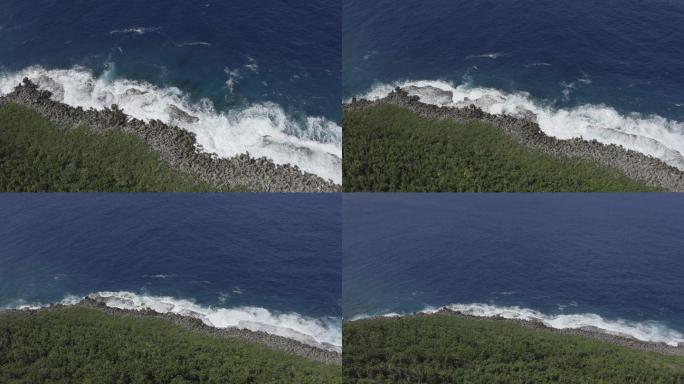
[(526, 131), (175, 146)]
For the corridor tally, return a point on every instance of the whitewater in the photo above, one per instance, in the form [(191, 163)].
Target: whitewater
[(324, 333), (261, 129), (651, 135), (647, 331)]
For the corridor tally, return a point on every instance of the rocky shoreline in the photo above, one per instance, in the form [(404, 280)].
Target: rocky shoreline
[(276, 343), (175, 146), (590, 333), (526, 131)]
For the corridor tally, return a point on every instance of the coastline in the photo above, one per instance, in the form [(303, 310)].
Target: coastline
[(176, 146), (635, 165), (194, 325), (588, 333)]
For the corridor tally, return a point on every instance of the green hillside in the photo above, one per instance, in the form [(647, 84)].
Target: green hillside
[(449, 349), (79, 345)]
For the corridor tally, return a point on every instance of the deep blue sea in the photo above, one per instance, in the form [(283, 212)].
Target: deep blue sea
[(263, 77), (607, 70), (264, 262), (572, 260)]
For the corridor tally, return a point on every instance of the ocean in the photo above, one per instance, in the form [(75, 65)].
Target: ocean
[(610, 261), (606, 70), (269, 262), (262, 77)]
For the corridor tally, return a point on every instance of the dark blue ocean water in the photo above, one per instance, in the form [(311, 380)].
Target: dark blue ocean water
[(273, 251), (627, 54), (296, 46), (617, 256)]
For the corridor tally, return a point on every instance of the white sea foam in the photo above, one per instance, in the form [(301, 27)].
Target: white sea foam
[(650, 331), (234, 76), (135, 30), (494, 55), (649, 134), (194, 44), (371, 316), (252, 64), (158, 276), (262, 129)]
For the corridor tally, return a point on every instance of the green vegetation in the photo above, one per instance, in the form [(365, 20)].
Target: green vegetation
[(389, 149), (449, 349), (80, 345), (36, 156)]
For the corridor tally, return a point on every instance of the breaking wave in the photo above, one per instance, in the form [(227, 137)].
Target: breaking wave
[(261, 129), (649, 134)]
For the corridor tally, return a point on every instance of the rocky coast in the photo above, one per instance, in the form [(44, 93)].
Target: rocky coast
[(276, 343), (587, 332), (175, 146), (525, 130)]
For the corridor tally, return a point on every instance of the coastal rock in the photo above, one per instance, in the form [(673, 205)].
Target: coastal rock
[(179, 115), (56, 89), (526, 114), (430, 94)]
